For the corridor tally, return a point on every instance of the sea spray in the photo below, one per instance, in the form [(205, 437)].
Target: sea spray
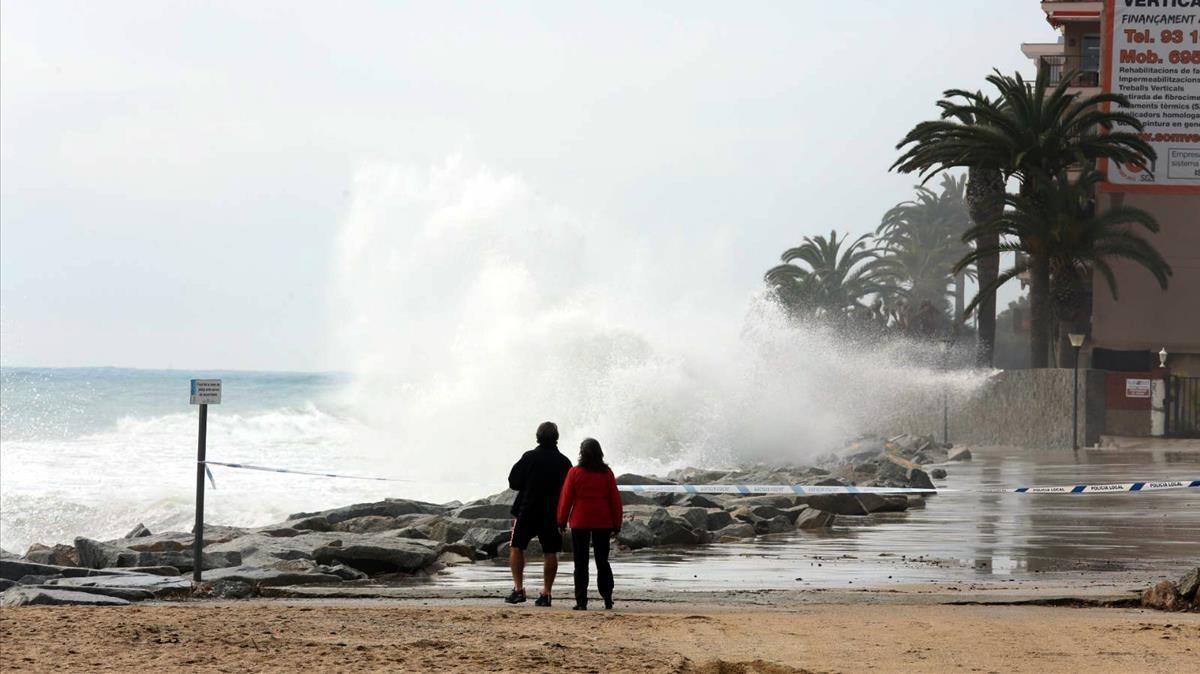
[(473, 308)]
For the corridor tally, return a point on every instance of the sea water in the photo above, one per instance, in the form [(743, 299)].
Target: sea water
[(465, 309)]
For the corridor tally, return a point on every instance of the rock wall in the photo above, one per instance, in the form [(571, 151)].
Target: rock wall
[(1026, 408)]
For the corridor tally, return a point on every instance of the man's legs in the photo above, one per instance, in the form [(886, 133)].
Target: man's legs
[(516, 562), (549, 571)]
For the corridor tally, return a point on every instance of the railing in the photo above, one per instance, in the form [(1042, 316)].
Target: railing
[(1084, 71)]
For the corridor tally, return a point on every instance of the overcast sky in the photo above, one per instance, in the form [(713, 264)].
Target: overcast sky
[(173, 174)]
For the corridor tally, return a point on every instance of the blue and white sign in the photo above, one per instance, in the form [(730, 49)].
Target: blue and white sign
[(206, 391)]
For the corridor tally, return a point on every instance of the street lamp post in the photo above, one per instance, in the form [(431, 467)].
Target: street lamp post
[(1076, 343)]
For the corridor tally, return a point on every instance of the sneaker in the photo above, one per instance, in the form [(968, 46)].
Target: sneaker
[(516, 597), (542, 600)]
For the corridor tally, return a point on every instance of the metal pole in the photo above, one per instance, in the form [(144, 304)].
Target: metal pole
[(1075, 406), (198, 537)]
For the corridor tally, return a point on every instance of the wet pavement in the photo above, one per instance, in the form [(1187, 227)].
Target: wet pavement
[(955, 537)]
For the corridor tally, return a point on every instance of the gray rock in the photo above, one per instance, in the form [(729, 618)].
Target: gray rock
[(672, 530), (37, 596), (313, 523), (257, 577), (1189, 585), (387, 508), (776, 525), (96, 555), (697, 476), (959, 454), (380, 554), (636, 535), (5, 554), (633, 478), (411, 532), (698, 501), (630, 498), (262, 550), (845, 504), (892, 503), (342, 571), (445, 529), (6, 583), (139, 531), (488, 510), (180, 560), (126, 593), (697, 518), (14, 569), (153, 570), (367, 524), (231, 588), (735, 532), (766, 512), (486, 539), (811, 518), (717, 520), (58, 555), (779, 501), (34, 579), (506, 497), (938, 473), (159, 586), (448, 558), (162, 545)]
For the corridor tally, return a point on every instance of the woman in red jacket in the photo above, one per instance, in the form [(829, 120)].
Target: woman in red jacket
[(591, 504)]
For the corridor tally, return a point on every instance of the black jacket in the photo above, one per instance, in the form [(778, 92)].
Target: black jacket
[(538, 479)]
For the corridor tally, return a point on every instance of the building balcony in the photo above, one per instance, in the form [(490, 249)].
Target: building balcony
[(1059, 12), (1084, 73)]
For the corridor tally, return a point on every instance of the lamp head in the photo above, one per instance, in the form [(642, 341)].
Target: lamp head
[(1076, 339), (1162, 357)]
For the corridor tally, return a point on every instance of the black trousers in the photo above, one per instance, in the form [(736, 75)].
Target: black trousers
[(581, 539)]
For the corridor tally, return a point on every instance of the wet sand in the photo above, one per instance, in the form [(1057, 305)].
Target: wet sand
[(323, 635)]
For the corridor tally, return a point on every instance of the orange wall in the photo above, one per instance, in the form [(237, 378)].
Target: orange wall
[(1146, 317)]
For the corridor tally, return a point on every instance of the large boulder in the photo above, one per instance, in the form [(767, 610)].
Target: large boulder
[(1163, 596), (445, 529), (257, 577), (634, 478), (486, 539), (140, 531), (636, 535), (811, 518), (902, 472), (182, 560), (96, 555), (367, 524), (629, 498), (1189, 585), (845, 504), (380, 554), (58, 555), (497, 511), (697, 518), (38, 596), (959, 454), (775, 525), (263, 550), (717, 520), (159, 586), (699, 501), (126, 593), (734, 532), (671, 530), (16, 569), (392, 507)]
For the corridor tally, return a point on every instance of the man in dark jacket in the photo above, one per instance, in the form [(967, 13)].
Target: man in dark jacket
[(538, 479)]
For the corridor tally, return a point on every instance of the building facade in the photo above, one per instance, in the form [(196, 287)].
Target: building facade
[(1105, 45)]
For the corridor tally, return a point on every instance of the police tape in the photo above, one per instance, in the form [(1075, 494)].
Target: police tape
[(817, 490), (793, 489)]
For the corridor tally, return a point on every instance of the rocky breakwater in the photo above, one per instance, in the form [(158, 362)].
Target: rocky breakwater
[(394, 539)]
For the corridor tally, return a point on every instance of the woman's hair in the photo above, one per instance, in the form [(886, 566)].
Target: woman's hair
[(591, 457), (547, 433)]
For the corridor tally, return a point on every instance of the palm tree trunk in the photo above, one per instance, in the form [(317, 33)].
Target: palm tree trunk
[(960, 299), (1039, 312), (985, 200)]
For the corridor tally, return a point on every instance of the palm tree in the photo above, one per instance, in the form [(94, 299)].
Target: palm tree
[(837, 279), (1061, 237), (922, 239), (1029, 133)]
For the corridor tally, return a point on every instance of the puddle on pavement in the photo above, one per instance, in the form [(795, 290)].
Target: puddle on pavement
[(956, 537)]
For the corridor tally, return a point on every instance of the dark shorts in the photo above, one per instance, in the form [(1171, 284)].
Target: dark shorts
[(546, 531)]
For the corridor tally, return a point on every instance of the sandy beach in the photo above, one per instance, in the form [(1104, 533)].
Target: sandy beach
[(472, 635)]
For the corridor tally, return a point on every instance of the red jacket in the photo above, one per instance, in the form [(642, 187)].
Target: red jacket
[(590, 500)]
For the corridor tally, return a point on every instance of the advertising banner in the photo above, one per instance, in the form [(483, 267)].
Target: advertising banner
[(1153, 59)]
